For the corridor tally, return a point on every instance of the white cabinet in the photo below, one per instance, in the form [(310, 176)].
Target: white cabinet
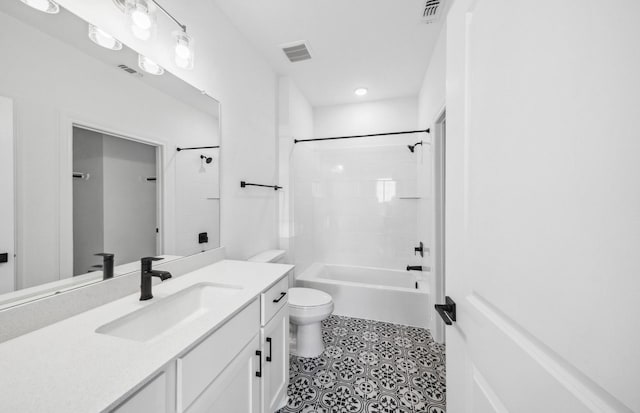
[(275, 352), (199, 367), (237, 388), (242, 367)]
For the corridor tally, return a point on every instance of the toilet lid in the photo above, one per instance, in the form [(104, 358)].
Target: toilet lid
[(308, 297)]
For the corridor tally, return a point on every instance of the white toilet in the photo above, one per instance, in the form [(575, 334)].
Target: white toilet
[(307, 308)]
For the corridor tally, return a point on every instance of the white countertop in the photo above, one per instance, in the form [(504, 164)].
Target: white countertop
[(68, 367)]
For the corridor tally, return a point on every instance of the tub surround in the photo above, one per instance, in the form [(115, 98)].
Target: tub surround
[(361, 291), (75, 369)]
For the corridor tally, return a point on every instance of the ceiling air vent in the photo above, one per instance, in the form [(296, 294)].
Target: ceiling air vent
[(431, 11), (297, 51), (129, 70)]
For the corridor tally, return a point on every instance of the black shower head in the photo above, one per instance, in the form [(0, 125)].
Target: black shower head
[(412, 148), (207, 159)]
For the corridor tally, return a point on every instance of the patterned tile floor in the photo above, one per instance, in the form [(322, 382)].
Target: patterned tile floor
[(369, 366)]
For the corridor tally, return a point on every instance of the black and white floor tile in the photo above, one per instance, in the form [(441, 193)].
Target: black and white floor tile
[(372, 367)]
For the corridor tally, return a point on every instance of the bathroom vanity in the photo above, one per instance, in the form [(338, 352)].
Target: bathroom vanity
[(215, 339)]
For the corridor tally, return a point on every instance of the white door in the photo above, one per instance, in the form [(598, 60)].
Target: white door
[(7, 276), (275, 358), (543, 206)]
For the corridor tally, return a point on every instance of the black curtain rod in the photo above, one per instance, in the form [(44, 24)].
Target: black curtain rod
[(244, 184), (362, 136), (198, 147)]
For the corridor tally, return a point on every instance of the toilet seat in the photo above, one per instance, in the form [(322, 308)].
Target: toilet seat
[(308, 297)]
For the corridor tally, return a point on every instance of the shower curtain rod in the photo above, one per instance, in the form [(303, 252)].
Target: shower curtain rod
[(362, 136), (198, 147)]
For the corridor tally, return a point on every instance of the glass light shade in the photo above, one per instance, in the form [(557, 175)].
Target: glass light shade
[(183, 51), (104, 39), (149, 66), (47, 6), (140, 18)]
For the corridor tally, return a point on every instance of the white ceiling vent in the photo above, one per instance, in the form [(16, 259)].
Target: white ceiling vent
[(431, 11), (297, 51)]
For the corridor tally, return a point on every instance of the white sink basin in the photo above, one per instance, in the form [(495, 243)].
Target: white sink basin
[(166, 314)]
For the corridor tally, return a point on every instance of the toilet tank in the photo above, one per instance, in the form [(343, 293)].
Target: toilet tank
[(276, 256)]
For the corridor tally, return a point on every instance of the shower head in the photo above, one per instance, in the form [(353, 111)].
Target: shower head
[(207, 159), (412, 148)]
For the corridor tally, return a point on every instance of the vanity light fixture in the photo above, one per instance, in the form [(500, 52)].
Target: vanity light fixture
[(104, 39), (361, 91), (141, 18), (149, 66), (47, 6)]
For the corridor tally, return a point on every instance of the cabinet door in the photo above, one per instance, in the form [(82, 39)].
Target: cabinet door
[(237, 388), (275, 355)]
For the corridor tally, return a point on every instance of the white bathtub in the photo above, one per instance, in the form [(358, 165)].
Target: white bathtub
[(372, 293)]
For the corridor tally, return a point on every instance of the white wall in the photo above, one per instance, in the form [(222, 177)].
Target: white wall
[(431, 103), (295, 121), (389, 115), (229, 69), (44, 111)]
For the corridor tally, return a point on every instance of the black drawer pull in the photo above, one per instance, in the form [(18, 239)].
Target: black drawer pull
[(270, 349), (447, 311), (259, 354), (281, 297)]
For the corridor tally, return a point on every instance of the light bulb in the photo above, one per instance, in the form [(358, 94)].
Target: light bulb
[(104, 39), (141, 34), (47, 6), (183, 51), (141, 18), (149, 66)]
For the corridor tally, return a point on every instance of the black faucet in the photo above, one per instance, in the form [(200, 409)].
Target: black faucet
[(107, 265), (414, 267), (146, 273), (419, 249)]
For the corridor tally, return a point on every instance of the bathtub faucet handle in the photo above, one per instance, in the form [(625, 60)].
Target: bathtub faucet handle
[(414, 267)]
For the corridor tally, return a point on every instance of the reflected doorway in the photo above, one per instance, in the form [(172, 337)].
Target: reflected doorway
[(115, 199)]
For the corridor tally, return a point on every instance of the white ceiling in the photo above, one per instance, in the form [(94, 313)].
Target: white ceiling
[(378, 44)]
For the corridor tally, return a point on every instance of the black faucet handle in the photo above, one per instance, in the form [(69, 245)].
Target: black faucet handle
[(149, 259), (105, 255)]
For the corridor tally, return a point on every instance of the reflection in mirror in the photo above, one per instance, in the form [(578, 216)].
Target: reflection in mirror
[(114, 199), (71, 108)]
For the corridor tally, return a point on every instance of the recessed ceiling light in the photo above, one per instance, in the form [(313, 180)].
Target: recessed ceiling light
[(361, 91), (47, 6), (149, 65), (104, 39)]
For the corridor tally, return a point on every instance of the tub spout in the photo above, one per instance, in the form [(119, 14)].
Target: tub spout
[(414, 267)]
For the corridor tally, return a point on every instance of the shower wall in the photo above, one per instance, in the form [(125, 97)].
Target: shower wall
[(356, 201)]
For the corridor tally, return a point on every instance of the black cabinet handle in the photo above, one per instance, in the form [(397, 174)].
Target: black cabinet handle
[(281, 297), (447, 311), (270, 349), (259, 372)]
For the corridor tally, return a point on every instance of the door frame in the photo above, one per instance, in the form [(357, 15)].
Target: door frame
[(439, 199)]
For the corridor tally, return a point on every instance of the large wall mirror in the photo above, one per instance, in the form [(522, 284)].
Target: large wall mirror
[(96, 157)]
